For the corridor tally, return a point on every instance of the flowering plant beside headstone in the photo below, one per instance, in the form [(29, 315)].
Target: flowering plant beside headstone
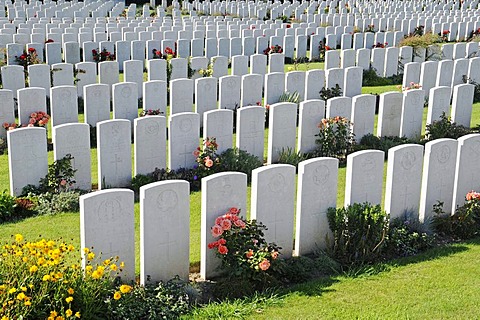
[(37, 119), (103, 55), (151, 112), (207, 158), (335, 138), (208, 72), (28, 57), (241, 246), (273, 49), (445, 34)]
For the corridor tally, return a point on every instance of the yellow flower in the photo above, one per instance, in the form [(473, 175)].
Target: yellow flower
[(28, 303), (125, 288), (23, 289), (71, 248), (113, 267), (53, 313), (68, 313), (77, 314), (117, 295), (25, 259), (46, 277), (86, 250), (13, 290), (21, 296), (106, 262), (122, 264), (4, 318), (70, 291), (69, 299), (88, 268), (59, 318), (18, 237), (90, 256)]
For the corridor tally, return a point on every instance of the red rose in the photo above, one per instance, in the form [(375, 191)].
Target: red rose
[(31, 50), (222, 249)]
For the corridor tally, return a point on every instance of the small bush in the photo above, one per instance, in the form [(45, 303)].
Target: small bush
[(370, 141), (464, 223), (359, 232), (189, 175), (335, 139), (407, 237), (7, 206), (416, 41), (234, 159), (333, 92), (445, 128), (139, 181), (54, 203), (289, 156), (371, 79), (166, 300)]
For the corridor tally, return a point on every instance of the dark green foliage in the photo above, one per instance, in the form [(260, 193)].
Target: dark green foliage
[(476, 91), (371, 79), (370, 141), (289, 156), (445, 128), (234, 159), (407, 237), (7, 207), (167, 300), (333, 92), (359, 232), (463, 224), (189, 175), (54, 203), (140, 180), (335, 139)]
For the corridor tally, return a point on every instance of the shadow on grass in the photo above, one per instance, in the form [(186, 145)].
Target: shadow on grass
[(319, 286)]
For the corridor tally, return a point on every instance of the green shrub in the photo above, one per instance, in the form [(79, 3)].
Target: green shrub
[(416, 41), (293, 97), (463, 224), (7, 206), (167, 300), (189, 175), (370, 141), (371, 79), (54, 203), (234, 159), (140, 180), (445, 128), (333, 92), (407, 237), (335, 138), (289, 156), (359, 232)]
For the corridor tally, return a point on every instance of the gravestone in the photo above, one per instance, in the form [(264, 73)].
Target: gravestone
[(315, 81), (74, 139), (404, 171), (7, 109), (332, 59), (438, 103), (258, 64), (229, 92), (239, 65), (181, 95), (466, 178), (205, 95), (165, 232), (444, 73), (339, 106), (220, 192), (63, 105), (150, 144), (62, 74), (364, 179), (107, 225), (27, 148), (411, 74), (179, 68), (39, 76), (363, 115), (428, 75), (273, 197), (155, 96), (438, 176), (125, 101), (133, 72), (30, 100), (13, 78), (311, 114), (276, 62), (316, 192), (220, 66), (114, 153), (412, 113), (460, 71), (462, 104), (251, 90), (274, 87), (96, 99), (282, 123), (183, 133), (219, 124), (353, 81), (86, 74), (108, 73), (250, 130), (389, 114), (335, 76), (157, 69)]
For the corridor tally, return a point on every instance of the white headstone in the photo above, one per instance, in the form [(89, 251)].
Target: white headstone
[(107, 225), (114, 153), (311, 114), (205, 95), (412, 113), (96, 99), (316, 192), (404, 171), (181, 95), (282, 124), (219, 124), (339, 106), (133, 72), (389, 114), (363, 115), (74, 139), (27, 157), (462, 104), (7, 109), (229, 92), (30, 100), (155, 95), (364, 177), (64, 105), (315, 81), (273, 197), (183, 139), (39, 76), (274, 87), (164, 231), (353, 81), (438, 103), (150, 144), (250, 130), (220, 192), (62, 74), (125, 101)]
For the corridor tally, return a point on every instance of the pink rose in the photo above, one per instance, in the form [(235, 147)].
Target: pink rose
[(216, 231), (226, 224)]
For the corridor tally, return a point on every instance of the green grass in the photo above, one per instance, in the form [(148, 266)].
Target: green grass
[(441, 283)]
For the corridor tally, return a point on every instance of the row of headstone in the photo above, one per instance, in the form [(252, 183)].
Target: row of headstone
[(164, 252)]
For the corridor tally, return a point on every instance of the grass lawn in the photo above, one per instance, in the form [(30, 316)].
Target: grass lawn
[(442, 283)]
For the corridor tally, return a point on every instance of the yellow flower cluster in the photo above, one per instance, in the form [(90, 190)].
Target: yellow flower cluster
[(37, 273)]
